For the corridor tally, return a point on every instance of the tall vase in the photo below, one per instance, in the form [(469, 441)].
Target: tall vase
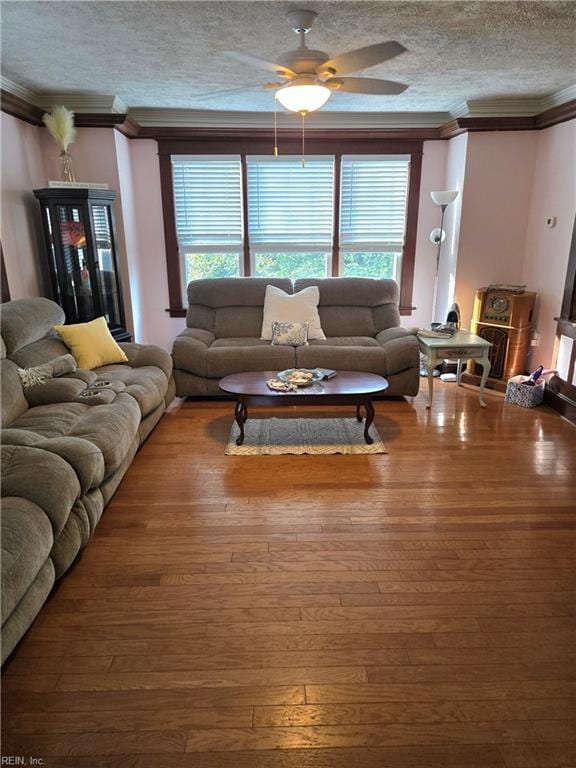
[(66, 167)]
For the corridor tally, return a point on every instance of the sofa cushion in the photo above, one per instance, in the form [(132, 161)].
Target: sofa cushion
[(111, 428), (40, 352), (147, 385), (41, 477), (230, 306), (27, 539), (25, 321), (236, 355), (362, 354), (371, 359), (355, 306), (346, 341), (240, 341), (14, 404)]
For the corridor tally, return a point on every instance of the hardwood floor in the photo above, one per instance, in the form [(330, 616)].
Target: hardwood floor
[(408, 610)]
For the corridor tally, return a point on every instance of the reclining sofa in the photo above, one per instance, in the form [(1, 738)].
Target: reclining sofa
[(359, 317), (66, 445)]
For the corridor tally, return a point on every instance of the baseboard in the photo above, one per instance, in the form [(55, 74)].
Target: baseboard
[(495, 384), (561, 404)]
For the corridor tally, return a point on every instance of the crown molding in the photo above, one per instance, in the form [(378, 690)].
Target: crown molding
[(513, 106), (559, 98), (108, 111), (20, 108), (13, 88), (90, 103), (199, 119)]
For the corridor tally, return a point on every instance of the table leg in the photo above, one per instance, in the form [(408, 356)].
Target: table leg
[(459, 372), (240, 414), (430, 365), (358, 414), (369, 419), (485, 363)]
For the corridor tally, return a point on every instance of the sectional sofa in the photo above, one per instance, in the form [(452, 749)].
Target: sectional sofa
[(359, 317), (66, 445)]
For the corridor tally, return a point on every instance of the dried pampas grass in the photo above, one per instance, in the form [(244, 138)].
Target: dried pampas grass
[(60, 123)]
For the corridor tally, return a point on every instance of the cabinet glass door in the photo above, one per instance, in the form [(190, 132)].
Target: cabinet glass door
[(76, 277), (105, 265)]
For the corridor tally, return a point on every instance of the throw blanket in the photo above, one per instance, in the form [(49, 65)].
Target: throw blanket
[(60, 366)]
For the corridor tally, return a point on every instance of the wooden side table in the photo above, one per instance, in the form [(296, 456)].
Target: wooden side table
[(461, 346)]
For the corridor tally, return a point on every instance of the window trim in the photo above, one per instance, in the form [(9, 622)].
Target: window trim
[(316, 144)]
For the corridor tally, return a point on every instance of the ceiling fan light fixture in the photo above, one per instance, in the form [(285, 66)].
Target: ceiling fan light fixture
[(303, 98)]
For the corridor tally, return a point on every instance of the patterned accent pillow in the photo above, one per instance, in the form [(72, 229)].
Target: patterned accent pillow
[(289, 334)]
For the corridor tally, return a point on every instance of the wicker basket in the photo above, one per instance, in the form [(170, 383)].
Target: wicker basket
[(519, 393)]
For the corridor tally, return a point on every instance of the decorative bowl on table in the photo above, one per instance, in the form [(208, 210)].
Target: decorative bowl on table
[(300, 377)]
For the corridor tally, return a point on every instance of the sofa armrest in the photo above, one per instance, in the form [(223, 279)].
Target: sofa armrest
[(84, 457), (63, 390), (401, 347), (140, 355), (15, 436), (190, 348), (388, 334)]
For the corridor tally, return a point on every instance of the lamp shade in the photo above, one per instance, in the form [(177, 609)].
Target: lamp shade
[(303, 98), (444, 197)]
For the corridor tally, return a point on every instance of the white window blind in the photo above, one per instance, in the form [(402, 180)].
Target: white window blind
[(290, 207), (208, 201), (373, 202)]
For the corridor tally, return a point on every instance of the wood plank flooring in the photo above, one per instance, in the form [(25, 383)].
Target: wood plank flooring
[(408, 610)]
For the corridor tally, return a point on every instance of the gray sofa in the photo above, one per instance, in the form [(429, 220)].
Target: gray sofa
[(66, 445), (359, 317)]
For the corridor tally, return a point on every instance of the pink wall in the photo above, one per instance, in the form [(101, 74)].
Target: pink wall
[(126, 209), (546, 250), (22, 171), (159, 327), (495, 204), (433, 175), (455, 177)]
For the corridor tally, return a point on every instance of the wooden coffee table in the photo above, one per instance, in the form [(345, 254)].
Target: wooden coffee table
[(346, 388)]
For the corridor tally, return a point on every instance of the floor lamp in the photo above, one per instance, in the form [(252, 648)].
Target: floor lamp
[(442, 199)]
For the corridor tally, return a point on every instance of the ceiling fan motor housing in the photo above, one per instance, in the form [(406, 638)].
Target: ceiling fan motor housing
[(301, 20), (304, 61)]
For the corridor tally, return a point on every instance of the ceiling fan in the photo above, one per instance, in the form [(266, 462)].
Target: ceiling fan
[(307, 77)]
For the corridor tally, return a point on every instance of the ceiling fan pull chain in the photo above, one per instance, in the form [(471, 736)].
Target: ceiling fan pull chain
[(303, 147)]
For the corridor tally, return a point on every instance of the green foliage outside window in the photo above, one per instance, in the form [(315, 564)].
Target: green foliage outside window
[(368, 265), (200, 265), (292, 265)]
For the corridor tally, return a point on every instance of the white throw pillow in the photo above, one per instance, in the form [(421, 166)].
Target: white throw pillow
[(301, 307)]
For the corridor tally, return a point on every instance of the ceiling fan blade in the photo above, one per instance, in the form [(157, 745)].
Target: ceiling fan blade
[(362, 58), (369, 85), (256, 61)]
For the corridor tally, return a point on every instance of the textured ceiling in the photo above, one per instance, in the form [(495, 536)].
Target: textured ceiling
[(170, 54)]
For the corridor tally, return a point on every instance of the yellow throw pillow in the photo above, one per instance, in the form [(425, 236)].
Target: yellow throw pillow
[(91, 343)]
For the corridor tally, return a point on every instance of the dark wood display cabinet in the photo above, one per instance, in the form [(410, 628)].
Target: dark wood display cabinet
[(80, 236)]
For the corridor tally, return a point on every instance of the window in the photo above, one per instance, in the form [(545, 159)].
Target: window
[(290, 215), (208, 211), (373, 201), (250, 213)]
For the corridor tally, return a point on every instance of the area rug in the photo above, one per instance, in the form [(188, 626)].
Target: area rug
[(274, 437)]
